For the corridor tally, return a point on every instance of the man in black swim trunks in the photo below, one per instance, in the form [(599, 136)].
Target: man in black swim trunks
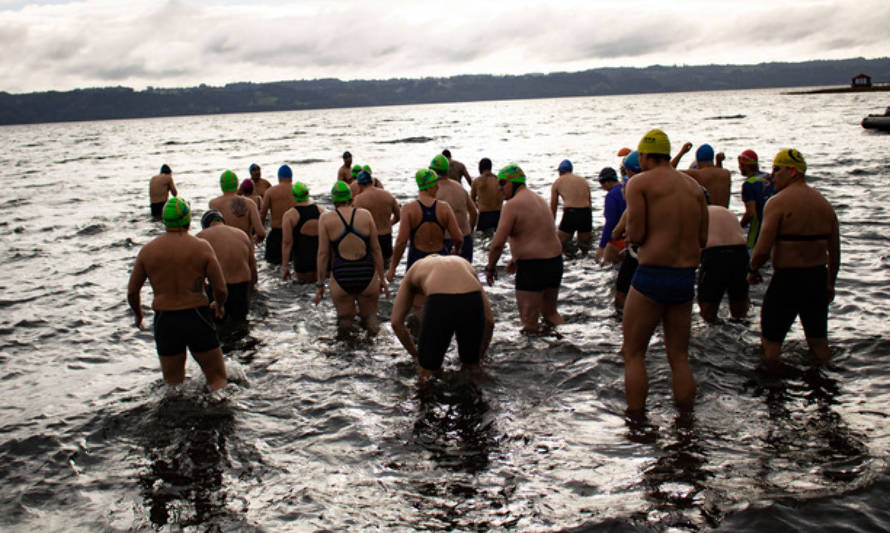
[(159, 187), (177, 264), (455, 305), (234, 251), (576, 212), (800, 233)]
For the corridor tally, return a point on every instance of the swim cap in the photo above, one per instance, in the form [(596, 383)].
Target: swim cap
[(285, 173), (355, 170), (346, 155), (209, 217), (565, 166), (341, 192), (608, 174), (439, 164), (177, 213), (623, 152), (228, 181), (425, 179), (632, 162), (300, 191), (364, 178), (165, 169), (247, 186), (513, 173), (789, 157), (655, 142), (253, 166), (748, 157), (367, 168), (704, 153)]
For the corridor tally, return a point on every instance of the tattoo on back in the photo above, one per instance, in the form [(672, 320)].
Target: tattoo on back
[(239, 207)]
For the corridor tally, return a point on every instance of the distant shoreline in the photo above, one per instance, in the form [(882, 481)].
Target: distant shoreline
[(835, 90)]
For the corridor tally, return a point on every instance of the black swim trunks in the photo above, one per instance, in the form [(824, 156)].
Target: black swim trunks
[(174, 330), (791, 293), (723, 269), (157, 209), (538, 274), (626, 273), (444, 315), (665, 285), (466, 248), (385, 245), (488, 220), (237, 301), (273, 246), (578, 219)]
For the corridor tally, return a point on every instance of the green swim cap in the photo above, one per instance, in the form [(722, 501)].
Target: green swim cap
[(177, 213), (439, 164), (341, 192), (228, 181), (425, 179), (367, 169), (512, 173), (300, 191), (355, 170)]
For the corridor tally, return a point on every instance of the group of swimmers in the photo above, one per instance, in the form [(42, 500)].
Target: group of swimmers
[(669, 229)]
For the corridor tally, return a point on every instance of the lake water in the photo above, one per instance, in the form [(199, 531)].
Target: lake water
[(332, 435)]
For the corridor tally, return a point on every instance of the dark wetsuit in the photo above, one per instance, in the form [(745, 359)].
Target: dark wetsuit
[(795, 292), (665, 285), (538, 274), (723, 269), (273, 246), (305, 247), (428, 214), (466, 248), (444, 315), (353, 275), (488, 220), (757, 189), (157, 209), (626, 273), (578, 219), (174, 330)]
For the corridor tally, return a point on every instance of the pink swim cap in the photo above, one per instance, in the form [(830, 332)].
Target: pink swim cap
[(247, 186)]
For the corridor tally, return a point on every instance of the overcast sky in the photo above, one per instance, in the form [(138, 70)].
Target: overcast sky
[(62, 45)]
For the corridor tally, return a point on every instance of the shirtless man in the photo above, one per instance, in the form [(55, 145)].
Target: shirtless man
[(465, 212), (423, 224), (299, 236), (177, 264), (800, 233), (756, 190), (158, 189), (383, 208), (277, 200), (455, 305), (457, 170), (234, 251), (576, 213), (260, 184), (610, 249), (724, 265), (716, 180), (668, 218), (488, 197), (537, 253), (237, 211), (344, 173), (347, 241)]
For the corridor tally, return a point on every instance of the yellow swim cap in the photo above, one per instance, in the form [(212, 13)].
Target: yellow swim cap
[(789, 157), (655, 142)]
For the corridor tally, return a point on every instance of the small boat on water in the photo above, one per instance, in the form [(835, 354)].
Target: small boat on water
[(877, 122)]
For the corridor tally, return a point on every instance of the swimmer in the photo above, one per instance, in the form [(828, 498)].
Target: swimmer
[(668, 218), (576, 213), (344, 173), (800, 233), (347, 241), (724, 266), (234, 251), (277, 200), (716, 180), (299, 236), (458, 198), (536, 251), (159, 189), (457, 170), (488, 197), (423, 225), (610, 249), (455, 305), (260, 184), (176, 264), (630, 166), (383, 208), (756, 190), (248, 191), (237, 211)]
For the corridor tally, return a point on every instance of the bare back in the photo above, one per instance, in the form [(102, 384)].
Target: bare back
[(801, 225), (234, 251), (277, 200), (382, 206), (459, 200), (717, 182), (667, 216), (486, 193), (159, 187), (176, 264), (724, 228), (428, 276), (529, 225), (574, 191), (238, 212)]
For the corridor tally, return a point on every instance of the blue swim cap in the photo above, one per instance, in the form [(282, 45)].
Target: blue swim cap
[(253, 166), (364, 178), (565, 166), (704, 153), (284, 172), (632, 162)]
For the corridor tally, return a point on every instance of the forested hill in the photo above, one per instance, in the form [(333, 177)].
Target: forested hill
[(123, 102)]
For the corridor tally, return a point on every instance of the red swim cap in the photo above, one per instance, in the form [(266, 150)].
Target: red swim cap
[(623, 152), (748, 157), (247, 186)]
